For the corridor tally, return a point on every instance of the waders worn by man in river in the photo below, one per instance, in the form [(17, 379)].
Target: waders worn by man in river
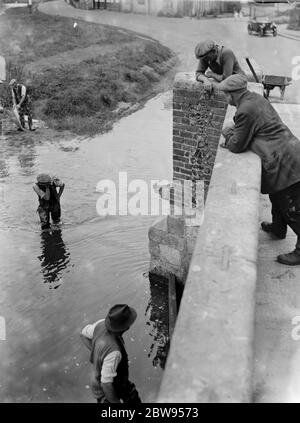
[(49, 198), (110, 383), (258, 127), (216, 63), (21, 100)]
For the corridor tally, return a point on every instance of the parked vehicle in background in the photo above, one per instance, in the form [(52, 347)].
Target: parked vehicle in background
[(262, 26)]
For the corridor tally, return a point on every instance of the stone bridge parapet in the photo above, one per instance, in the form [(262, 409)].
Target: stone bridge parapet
[(211, 352)]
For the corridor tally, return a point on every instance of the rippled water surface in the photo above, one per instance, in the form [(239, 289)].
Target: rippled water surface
[(52, 284)]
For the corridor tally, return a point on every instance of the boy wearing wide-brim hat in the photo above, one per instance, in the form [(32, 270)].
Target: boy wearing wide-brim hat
[(258, 127), (110, 383)]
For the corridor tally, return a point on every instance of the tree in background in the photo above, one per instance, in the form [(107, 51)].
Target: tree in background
[(232, 6), (295, 17)]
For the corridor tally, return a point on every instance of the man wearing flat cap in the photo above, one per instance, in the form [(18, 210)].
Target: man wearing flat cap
[(110, 383), (258, 127), (216, 63)]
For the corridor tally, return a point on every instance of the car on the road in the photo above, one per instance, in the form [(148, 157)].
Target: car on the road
[(262, 26)]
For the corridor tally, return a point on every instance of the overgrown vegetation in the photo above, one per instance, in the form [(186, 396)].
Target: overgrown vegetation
[(45, 53)]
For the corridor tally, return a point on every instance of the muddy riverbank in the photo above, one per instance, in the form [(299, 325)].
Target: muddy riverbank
[(81, 77)]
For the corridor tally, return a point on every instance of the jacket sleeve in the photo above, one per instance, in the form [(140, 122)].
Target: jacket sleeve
[(240, 138), (201, 68), (109, 367), (13, 97), (228, 64), (39, 192), (88, 331), (23, 91)]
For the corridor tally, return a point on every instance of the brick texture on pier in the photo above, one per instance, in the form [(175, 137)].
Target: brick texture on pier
[(197, 123)]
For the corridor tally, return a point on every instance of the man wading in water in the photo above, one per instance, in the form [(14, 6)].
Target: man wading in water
[(110, 383), (49, 199)]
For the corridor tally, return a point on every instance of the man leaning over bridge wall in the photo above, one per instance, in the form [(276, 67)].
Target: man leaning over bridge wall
[(258, 127), (216, 63)]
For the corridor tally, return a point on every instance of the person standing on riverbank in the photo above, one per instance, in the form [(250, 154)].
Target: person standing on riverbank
[(216, 63), (49, 199), (22, 102), (110, 383), (258, 127)]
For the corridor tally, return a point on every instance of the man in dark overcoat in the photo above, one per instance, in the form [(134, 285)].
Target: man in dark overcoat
[(258, 127)]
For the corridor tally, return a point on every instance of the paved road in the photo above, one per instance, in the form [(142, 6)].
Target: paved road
[(273, 54)]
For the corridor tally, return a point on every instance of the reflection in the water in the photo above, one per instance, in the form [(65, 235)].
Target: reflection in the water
[(26, 157), (55, 257), (24, 149), (158, 323)]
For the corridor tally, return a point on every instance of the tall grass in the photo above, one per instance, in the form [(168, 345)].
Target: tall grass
[(79, 96)]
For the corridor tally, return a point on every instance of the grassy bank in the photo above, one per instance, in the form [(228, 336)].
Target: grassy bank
[(80, 79)]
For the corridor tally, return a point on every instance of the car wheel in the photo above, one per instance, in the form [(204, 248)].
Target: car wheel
[(274, 32), (249, 30), (261, 33)]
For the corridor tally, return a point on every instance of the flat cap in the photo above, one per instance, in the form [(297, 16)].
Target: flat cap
[(203, 48), (233, 83), (44, 178), (12, 82)]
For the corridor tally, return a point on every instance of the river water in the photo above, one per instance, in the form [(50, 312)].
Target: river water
[(52, 284)]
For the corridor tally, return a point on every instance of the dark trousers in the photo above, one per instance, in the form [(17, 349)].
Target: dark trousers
[(25, 110), (44, 214), (286, 211), (130, 397)]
